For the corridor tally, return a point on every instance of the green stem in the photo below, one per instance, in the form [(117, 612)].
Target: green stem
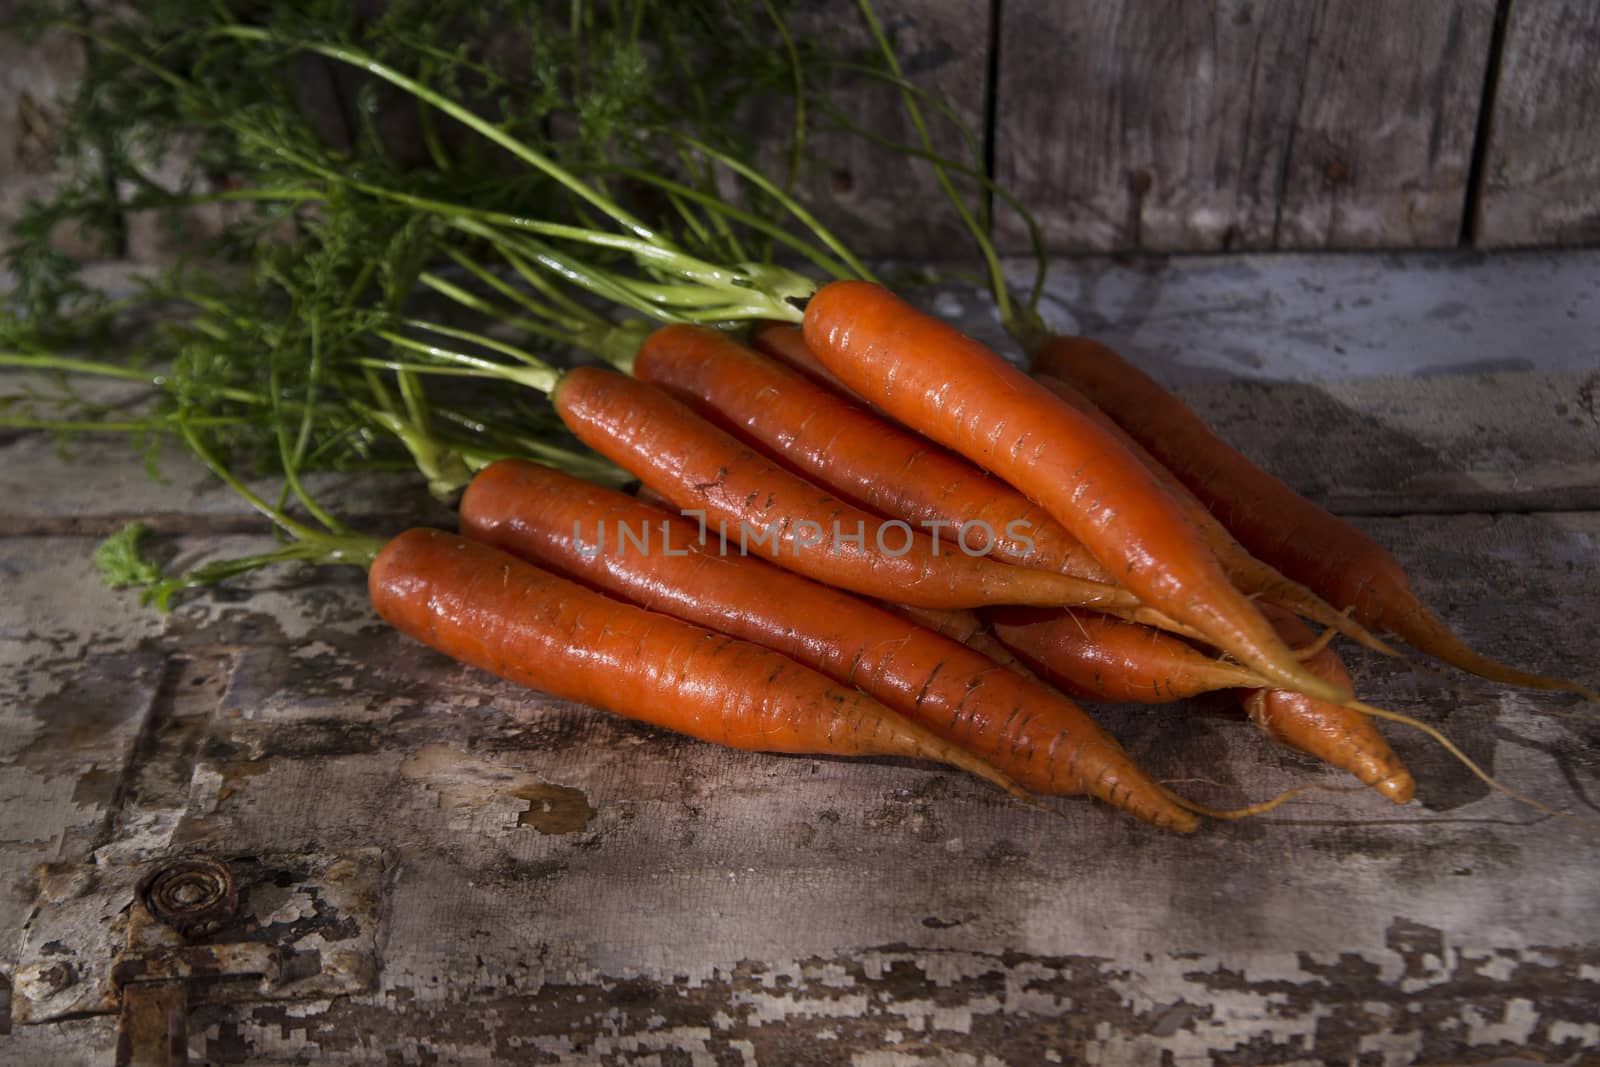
[(720, 207), (572, 317), (997, 278), (513, 247), (77, 366), (788, 203), (162, 424), (315, 546), (526, 358), (559, 334), (488, 130)]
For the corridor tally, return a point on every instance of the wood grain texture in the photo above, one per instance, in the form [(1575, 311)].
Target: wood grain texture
[(1374, 384), (1541, 180), (881, 203), (718, 906), (561, 886), (1301, 124)]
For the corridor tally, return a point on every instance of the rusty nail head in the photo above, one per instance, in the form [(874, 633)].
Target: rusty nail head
[(192, 894)]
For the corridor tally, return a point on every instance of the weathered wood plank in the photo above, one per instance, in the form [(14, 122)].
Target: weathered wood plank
[(1307, 124), (77, 688), (565, 886), (1451, 443), (881, 203), (1323, 318), (1541, 180)]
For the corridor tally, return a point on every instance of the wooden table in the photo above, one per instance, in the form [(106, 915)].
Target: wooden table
[(438, 868)]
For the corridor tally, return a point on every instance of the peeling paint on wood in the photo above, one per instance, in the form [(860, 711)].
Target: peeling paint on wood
[(554, 885)]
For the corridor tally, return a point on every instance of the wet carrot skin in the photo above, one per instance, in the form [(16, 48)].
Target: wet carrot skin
[(700, 467), (495, 612), (840, 445), (1339, 736), (963, 396), (1107, 659), (1271, 520), (1044, 742), (890, 455), (787, 345), (1340, 563)]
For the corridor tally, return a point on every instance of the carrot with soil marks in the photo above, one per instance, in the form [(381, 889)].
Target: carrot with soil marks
[(1346, 567), (949, 387), (1100, 658), (845, 448), (701, 468), (1248, 573), (1038, 738), (495, 612)]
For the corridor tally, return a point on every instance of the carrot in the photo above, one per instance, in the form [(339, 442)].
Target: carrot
[(841, 446), (1342, 737), (787, 345), (1107, 659), (929, 376), (1036, 737), (1346, 567), (968, 628), (765, 508), (493, 611), (1346, 738), (1248, 573)]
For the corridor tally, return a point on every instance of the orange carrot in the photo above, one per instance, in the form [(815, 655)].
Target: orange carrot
[(857, 454), (1248, 573), (1108, 659), (493, 611), (951, 388), (968, 628), (787, 345), (1037, 737), (1346, 567), (768, 510), (1345, 738)]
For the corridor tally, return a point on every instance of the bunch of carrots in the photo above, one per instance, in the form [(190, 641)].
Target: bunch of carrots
[(856, 531)]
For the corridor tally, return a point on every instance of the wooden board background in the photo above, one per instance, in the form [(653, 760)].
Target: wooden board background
[(1542, 158), (562, 887), (1151, 124)]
